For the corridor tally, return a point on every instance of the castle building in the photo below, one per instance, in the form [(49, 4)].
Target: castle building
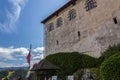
[(85, 26)]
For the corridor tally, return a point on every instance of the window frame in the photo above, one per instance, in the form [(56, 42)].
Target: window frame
[(90, 4), (72, 14), (59, 22), (50, 26)]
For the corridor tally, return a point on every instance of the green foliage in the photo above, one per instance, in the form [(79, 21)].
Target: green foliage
[(109, 52), (19, 73), (5, 78), (3, 74), (95, 72), (69, 63), (10, 74), (110, 68), (80, 73)]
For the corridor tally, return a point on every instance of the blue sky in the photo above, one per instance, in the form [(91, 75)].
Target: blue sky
[(20, 26)]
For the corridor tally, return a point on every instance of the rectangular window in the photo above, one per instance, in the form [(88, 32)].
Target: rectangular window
[(51, 27), (72, 14), (59, 22), (90, 4), (115, 20)]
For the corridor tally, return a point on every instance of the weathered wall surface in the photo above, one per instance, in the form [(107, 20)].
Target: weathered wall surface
[(97, 29)]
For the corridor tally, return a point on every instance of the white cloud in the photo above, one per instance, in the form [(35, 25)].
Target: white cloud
[(11, 47), (2, 64), (39, 49), (38, 57), (26, 64), (20, 59), (21, 65), (7, 52), (12, 16), (12, 53)]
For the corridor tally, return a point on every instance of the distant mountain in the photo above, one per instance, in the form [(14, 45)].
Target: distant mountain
[(13, 68)]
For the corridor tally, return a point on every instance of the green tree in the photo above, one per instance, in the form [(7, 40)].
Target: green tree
[(110, 68)]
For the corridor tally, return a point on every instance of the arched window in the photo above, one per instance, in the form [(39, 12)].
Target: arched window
[(90, 4), (59, 21), (72, 14)]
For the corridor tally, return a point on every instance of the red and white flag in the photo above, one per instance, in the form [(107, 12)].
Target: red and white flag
[(28, 58)]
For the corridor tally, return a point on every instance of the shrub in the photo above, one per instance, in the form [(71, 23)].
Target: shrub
[(109, 52), (109, 69), (69, 63), (79, 74), (96, 73)]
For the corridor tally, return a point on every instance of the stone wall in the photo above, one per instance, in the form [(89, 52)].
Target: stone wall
[(97, 29)]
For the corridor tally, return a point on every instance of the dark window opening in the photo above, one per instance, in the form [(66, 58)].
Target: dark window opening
[(79, 34), (115, 20), (59, 22), (72, 14), (57, 42), (51, 27), (90, 4)]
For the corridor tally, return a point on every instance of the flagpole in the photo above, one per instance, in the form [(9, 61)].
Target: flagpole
[(30, 52), (30, 47)]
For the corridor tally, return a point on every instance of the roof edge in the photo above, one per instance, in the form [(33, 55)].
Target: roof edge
[(59, 10)]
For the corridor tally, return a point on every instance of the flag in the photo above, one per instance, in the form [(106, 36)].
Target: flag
[(29, 56)]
